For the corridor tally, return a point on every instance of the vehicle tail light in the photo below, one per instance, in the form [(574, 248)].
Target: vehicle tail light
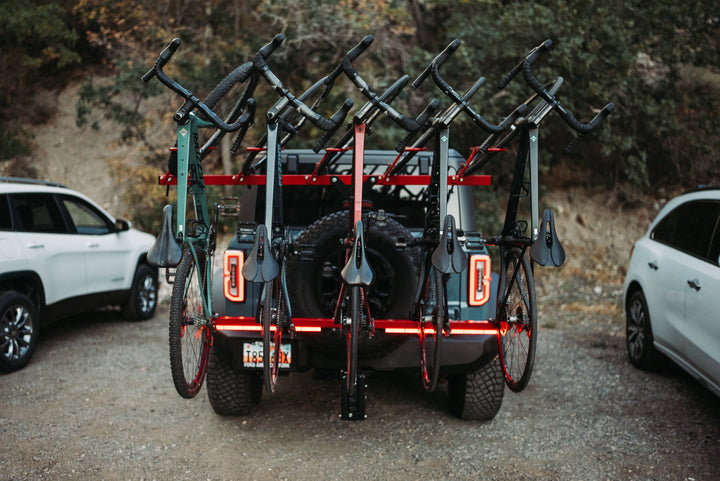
[(479, 281), (233, 281)]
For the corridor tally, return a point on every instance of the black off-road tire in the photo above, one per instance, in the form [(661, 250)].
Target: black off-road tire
[(314, 284), (477, 395), (19, 330), (231, 392)]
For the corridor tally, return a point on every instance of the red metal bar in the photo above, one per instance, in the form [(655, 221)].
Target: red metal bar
[(391, 326), (328, 179)]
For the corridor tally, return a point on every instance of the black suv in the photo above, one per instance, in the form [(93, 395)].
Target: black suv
[(317, 217)]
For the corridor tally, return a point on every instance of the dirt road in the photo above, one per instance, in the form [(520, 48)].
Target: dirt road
[(97, 402)]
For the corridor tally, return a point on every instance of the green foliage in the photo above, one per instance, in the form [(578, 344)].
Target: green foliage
[(13, 143), (629, 52), (36, 35), (35, 42), (657, 61)]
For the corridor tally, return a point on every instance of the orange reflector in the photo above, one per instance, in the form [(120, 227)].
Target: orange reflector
[(233, 282), (479, 279)]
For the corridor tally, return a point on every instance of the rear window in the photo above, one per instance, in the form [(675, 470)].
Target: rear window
[(691, 228), (39, 213), (302, 205)]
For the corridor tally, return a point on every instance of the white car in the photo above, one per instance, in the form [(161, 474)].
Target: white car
[(61, 254), (672, 289)]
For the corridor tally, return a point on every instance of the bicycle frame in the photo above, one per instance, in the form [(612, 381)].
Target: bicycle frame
[(190, 181)]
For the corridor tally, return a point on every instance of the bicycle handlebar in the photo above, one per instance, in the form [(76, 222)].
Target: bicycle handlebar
[(525, 66), (192, 102), (328, 125), (408, 124), (440, 59), (434, 70), (353, 54)]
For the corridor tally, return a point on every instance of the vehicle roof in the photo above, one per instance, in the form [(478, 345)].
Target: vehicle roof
[(370, 156), (11, 185)]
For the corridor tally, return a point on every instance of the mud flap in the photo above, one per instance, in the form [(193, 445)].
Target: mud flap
[(449, 256), (547, 250), (165, 252), (260, 266)]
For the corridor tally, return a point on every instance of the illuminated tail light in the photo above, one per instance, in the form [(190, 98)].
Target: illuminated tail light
[(233, 282), (479, 282)]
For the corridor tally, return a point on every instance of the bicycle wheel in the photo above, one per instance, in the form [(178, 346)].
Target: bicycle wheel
[(190, 336), (228, 100), (270, 313), (431, 318), (352, 335), (516, 319)]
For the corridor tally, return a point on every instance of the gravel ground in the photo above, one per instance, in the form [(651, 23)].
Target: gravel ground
[(97, 402)]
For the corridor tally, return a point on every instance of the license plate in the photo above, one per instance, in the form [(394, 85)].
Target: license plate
[(253, 354)]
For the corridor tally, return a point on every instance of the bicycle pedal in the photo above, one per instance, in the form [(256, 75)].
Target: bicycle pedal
[(245, 231), (474, 240), (170, 273), (230, 209)]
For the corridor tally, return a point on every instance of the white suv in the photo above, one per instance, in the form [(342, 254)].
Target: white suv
[(61, 254), (672, 289)]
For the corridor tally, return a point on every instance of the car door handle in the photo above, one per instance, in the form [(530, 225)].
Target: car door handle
[(93, 244), (653, 265), (695, 284), (36, 246)]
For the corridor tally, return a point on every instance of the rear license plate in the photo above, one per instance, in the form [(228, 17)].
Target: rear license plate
[(253, 354)]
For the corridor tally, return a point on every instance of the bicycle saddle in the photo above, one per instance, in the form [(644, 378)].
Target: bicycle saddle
[(547, 249), (165, 252), (357, 271), (260, 265), (449, 255)]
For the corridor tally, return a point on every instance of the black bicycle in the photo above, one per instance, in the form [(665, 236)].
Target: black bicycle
[(266, 261), (516, 314)]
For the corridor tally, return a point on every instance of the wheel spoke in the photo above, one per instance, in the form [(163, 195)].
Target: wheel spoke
[(189, 334), (517, 320)]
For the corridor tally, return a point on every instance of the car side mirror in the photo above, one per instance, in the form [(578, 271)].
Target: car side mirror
[(121, 225)]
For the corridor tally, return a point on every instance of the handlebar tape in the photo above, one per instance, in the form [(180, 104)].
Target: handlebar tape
[(593, 123), (532, 56), (260, 65), (439, 60), (564, 113), (422, 121), (360, 48), (162, 59), (251, 106), (388, 96), (270, 47), (352, 54), (337, 120)]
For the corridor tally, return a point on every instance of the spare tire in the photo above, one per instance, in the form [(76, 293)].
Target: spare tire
[(314, 280)]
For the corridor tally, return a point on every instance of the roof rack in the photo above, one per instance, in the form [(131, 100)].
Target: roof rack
[(24, 180)]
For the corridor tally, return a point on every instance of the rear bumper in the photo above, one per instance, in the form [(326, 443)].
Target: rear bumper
[(318, 343)]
